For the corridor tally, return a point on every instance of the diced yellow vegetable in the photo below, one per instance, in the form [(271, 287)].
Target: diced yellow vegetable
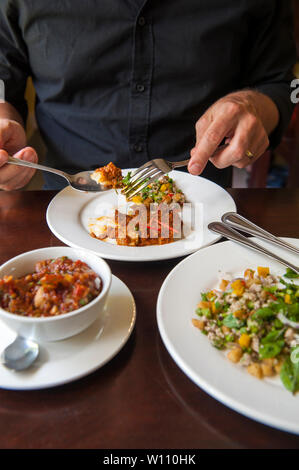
[(287, 299), (164, 187), (204, 304), (223, 284), (238, 287), (198, 323), (263, 272), (137, 199), (214, 308), (244, 340)]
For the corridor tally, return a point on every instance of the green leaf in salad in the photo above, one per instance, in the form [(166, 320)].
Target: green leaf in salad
[(263, 313), (270, 349), (232, 322), (289, 374), (127, 178), (272, 336), (290, 274)]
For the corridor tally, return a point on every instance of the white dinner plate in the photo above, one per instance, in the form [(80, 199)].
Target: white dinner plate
[(63, 361), (69, 212), (266, 400)]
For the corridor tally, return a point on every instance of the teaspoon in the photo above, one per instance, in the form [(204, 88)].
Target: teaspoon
[(20, 354)]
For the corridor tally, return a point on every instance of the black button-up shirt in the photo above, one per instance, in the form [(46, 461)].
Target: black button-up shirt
[(126, 80)]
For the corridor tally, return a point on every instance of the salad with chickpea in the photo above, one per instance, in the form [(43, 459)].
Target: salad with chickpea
[(256, 319)]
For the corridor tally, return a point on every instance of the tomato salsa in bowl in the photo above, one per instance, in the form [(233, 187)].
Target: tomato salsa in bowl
[(53, 293)]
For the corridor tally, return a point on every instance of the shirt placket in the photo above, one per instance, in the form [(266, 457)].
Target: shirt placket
[(141, 83)]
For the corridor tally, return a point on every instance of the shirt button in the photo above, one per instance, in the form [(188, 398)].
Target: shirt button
[(141, 21), (138, 148), (140, 87)]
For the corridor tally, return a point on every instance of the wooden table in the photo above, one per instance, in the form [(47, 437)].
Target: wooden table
[(141, 399)]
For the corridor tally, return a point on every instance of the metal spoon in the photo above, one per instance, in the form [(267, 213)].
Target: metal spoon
[(80, 181), (20, 354)]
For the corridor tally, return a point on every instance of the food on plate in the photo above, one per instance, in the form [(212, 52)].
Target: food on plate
[(151, 217), (55, 287), (256, 319), (162, 190), (109, 176)]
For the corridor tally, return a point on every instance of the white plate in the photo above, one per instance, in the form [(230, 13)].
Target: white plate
[(266, 401), (70, 210), (63, 361)]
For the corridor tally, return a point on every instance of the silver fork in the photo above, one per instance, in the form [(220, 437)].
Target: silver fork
[(153, 170)]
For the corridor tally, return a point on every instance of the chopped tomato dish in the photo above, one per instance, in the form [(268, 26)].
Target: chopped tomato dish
[(56, 286)]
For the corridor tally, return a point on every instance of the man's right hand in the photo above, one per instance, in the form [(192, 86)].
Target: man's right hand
[(13, 142)]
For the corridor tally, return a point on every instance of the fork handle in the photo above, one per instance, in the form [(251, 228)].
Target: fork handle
[(228, 232), (186, 162), (239, 222)]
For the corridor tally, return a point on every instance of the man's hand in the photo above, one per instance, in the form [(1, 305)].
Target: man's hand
[(13, 142), (243, 120)]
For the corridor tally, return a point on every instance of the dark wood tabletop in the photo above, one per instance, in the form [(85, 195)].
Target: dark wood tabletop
[(140, 399)]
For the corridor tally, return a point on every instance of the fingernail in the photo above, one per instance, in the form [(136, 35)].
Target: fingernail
[(28, 155), (194, 168)]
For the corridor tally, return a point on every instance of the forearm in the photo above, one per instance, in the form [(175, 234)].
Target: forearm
[(7, 111)]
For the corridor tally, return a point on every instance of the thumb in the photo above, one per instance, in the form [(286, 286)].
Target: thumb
[(28, 154)]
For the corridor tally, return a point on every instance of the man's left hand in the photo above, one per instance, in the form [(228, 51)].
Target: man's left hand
[(243, 120)]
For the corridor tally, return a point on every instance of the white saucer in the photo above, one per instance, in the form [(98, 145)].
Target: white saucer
[(61, 362)]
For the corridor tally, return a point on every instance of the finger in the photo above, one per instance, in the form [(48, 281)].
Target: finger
[(261, 148), (12, 136), (248, 133), (11, 176), (3, 157), (28, 154), (200, 128), (208, 143)]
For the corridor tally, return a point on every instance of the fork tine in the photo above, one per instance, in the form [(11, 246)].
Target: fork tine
[(136, 183), (141, 168), (143, 174), (153, 178)]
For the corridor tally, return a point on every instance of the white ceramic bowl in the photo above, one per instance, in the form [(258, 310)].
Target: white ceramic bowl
[(64, 325)]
